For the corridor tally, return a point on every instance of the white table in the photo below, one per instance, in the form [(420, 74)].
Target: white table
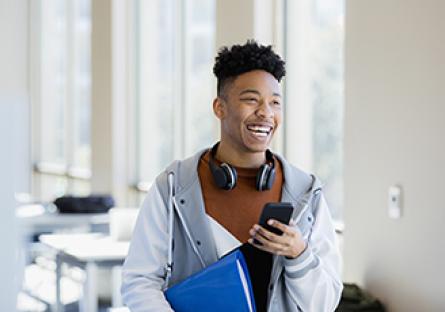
[(34, 220), (88, 252)]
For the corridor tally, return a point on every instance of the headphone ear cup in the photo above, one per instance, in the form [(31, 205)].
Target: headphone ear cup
[(265, 178), (220, 177), (230, 176), (224, 175), (262, 177), (270, 178)]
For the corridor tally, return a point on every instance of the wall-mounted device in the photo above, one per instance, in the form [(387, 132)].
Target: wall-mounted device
[(395, 202)]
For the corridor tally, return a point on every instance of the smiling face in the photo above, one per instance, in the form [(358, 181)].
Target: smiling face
[(250, 113)]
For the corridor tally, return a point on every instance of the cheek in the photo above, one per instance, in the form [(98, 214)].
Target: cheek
[(231, 123), (278, 117), (237, 117)]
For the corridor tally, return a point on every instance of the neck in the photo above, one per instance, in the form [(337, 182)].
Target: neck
[(235, 157)]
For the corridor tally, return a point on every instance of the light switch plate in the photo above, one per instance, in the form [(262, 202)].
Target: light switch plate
[(395, 202)]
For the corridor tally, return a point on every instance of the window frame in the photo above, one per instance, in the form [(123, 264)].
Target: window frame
[(181, 114), (42, 168), (299, 118)]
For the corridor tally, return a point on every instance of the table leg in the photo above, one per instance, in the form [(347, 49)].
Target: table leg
[(116, 299), (89, 300), (59, 305)]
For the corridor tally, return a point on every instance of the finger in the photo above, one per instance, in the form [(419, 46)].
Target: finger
[(268, 243), (268, 234), (265, 247), (256, 245), (282, 227)]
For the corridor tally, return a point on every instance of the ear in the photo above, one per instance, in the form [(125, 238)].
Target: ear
[(219, 107)]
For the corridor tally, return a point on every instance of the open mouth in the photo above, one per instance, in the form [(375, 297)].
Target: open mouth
[(260, 130)]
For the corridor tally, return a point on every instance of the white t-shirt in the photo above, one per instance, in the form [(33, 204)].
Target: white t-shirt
[(224, 240)]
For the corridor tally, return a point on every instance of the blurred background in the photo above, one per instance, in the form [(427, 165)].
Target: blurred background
[(98, 96)]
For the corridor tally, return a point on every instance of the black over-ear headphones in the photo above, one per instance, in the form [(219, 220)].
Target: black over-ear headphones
[(225, 175)]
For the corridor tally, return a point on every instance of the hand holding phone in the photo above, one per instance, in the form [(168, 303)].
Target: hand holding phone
[(281, 212), (289, 244)]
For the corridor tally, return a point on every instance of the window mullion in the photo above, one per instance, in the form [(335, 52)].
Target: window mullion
[(185, 71), (35, 83), (179, 82), (70, 88), (189, 34)]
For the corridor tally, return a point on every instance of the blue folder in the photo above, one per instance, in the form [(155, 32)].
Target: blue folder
[(222, 286)]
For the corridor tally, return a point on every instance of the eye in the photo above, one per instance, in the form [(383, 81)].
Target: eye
[(250, 100), (276, 103)]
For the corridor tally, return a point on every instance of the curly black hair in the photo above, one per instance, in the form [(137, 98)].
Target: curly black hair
[(239, 59)]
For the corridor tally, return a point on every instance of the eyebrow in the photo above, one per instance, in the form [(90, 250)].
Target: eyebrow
[(256, 92)]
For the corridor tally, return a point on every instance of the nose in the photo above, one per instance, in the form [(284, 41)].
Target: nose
[(265, 110)]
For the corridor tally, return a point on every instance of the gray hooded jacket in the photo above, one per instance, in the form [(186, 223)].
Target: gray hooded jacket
[(310, 282)]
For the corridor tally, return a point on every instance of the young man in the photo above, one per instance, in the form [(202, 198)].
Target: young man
[(219, 194)]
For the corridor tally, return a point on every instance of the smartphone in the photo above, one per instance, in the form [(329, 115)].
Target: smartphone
[(281, 212)]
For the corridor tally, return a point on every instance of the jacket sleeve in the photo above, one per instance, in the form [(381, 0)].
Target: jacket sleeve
[(313, 279), (143, 270)]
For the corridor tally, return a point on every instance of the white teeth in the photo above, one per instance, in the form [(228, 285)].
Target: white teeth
[(260, 134), (260, 129)]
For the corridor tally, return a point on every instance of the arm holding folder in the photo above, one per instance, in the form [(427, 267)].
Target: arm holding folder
[(307, 282), (223, 286), (143, 277)]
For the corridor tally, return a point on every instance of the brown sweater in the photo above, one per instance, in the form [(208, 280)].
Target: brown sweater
[(239, 209)]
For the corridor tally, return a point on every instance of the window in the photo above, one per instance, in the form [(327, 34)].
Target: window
[(314, 91), (61, 96), (174, 87)]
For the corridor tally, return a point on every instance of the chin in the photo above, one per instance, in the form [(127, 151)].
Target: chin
[(257, 147), (256, 144)]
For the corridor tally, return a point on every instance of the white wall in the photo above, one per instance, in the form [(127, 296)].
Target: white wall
[(237, 21), (14, 84), (14, 138), (394, 133)]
